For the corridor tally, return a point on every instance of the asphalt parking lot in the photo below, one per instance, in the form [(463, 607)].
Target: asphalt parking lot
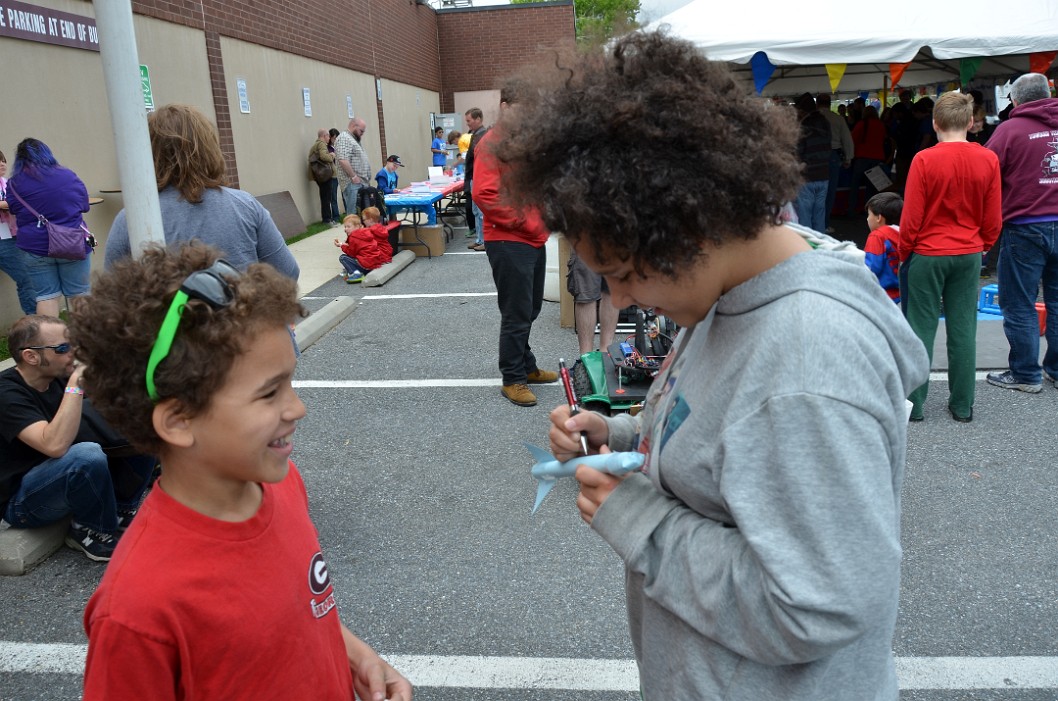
[(419, 486)]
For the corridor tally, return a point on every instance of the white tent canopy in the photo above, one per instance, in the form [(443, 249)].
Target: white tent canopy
[(933, 36)]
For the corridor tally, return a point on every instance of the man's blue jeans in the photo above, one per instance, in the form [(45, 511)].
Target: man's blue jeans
[(84, 483), (1028, 254), (811, 203), (349, 196), (479, 222), (518, 270)]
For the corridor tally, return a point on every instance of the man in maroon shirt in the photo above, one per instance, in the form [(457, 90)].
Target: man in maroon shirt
[(1027, 147)]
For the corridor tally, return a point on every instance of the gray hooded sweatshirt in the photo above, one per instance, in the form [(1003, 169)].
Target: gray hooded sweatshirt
[(762, 546)]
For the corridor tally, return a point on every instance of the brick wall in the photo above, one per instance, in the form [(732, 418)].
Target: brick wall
[(404, 41), (479, 47), (395, 39), (448, 51)]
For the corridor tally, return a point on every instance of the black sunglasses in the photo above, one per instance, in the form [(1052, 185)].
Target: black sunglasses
[(60, 349), (207, 285)]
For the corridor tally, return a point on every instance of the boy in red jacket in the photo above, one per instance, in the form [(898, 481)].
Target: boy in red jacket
[(219, 588), (882, 250), (372, 219), (360, 252)]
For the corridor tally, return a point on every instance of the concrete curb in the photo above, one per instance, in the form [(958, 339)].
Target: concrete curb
[(381, 275), (22, 548), (312, 329)]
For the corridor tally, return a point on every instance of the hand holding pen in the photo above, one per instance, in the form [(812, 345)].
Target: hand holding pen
[(571, 398)]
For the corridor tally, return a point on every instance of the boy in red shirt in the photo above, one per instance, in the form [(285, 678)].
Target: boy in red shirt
[(372, 219), (218, 589), (360, 252), (883, 243), (951, 214)]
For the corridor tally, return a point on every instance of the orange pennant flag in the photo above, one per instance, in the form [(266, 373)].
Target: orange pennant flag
[(896, 71), (836, 71), (1040, 61)]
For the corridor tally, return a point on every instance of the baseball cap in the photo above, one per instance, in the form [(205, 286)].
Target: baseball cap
[(395, 159)]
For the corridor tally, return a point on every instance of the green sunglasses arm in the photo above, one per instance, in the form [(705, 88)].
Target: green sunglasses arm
[(164, 341)]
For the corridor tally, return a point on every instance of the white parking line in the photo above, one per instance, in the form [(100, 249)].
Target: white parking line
[(942, 376), (922, 673), (431, 296), (397, 384)]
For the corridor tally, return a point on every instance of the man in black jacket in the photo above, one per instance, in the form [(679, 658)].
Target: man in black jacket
[(52, 464)]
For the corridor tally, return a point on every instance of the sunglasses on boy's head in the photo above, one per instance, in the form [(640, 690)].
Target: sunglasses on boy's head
[(59, 348), (207, 285)]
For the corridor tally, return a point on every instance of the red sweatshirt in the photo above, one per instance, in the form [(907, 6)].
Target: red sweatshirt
[(952, 201), (381, 234), (361, 245), (502, 222)]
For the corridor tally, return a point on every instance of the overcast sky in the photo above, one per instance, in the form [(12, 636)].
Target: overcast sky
[(650, 10)]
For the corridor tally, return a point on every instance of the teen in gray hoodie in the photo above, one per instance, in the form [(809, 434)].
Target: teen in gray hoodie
[(762, 542)]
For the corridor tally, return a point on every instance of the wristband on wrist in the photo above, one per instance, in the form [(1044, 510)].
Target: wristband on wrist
[(74, 390)]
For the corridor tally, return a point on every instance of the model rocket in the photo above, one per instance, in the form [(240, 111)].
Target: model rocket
[(548, 469)]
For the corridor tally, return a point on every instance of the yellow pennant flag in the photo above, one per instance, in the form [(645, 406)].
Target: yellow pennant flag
[(836, 71)]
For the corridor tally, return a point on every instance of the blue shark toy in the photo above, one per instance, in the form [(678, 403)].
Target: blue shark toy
[(548, 469)]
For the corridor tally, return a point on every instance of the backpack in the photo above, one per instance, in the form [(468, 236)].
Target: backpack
[(372, 197)]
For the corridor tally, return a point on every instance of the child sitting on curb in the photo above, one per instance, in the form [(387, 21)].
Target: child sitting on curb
[(882, 250), (372, 219), (222, 555), (360, 252)]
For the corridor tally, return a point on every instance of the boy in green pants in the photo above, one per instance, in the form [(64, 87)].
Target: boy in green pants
[(951, 214)]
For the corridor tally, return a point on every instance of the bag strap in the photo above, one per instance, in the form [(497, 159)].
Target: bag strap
[(25, 204)]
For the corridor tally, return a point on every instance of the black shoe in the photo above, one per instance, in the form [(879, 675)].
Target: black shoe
[(96, 545), (962, 419), (125, 517)]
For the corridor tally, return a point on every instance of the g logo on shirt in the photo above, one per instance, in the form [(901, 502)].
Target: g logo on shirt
[(319, 578)]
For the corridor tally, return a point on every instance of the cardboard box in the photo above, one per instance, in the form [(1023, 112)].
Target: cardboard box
[(432, 236)]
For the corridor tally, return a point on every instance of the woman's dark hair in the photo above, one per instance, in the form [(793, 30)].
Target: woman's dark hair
[(889, 205), (650, 152), (125, 310), (334, 133), (34, 157)]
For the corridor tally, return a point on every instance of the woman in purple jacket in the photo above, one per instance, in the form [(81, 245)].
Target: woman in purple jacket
[(60, 196)]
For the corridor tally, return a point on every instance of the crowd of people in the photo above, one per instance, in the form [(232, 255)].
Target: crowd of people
[(761, 539)]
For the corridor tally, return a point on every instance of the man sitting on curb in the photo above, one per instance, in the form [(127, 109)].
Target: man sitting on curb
[(52, 463)]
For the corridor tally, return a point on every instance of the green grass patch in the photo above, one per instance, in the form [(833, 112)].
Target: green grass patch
[(4, 353)]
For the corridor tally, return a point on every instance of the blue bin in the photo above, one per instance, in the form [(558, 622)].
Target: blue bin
[(988, 302)]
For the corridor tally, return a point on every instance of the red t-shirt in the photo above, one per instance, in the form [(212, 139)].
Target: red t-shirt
[(952, 201), (195, 608)]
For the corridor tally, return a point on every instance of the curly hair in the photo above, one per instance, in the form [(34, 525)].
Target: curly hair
[(115, 330), (186, 151), (650, 151)]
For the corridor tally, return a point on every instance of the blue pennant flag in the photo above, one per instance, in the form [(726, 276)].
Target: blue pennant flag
[(762, 70)]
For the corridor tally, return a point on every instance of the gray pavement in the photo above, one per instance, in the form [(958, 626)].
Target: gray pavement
[(421, 495)]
